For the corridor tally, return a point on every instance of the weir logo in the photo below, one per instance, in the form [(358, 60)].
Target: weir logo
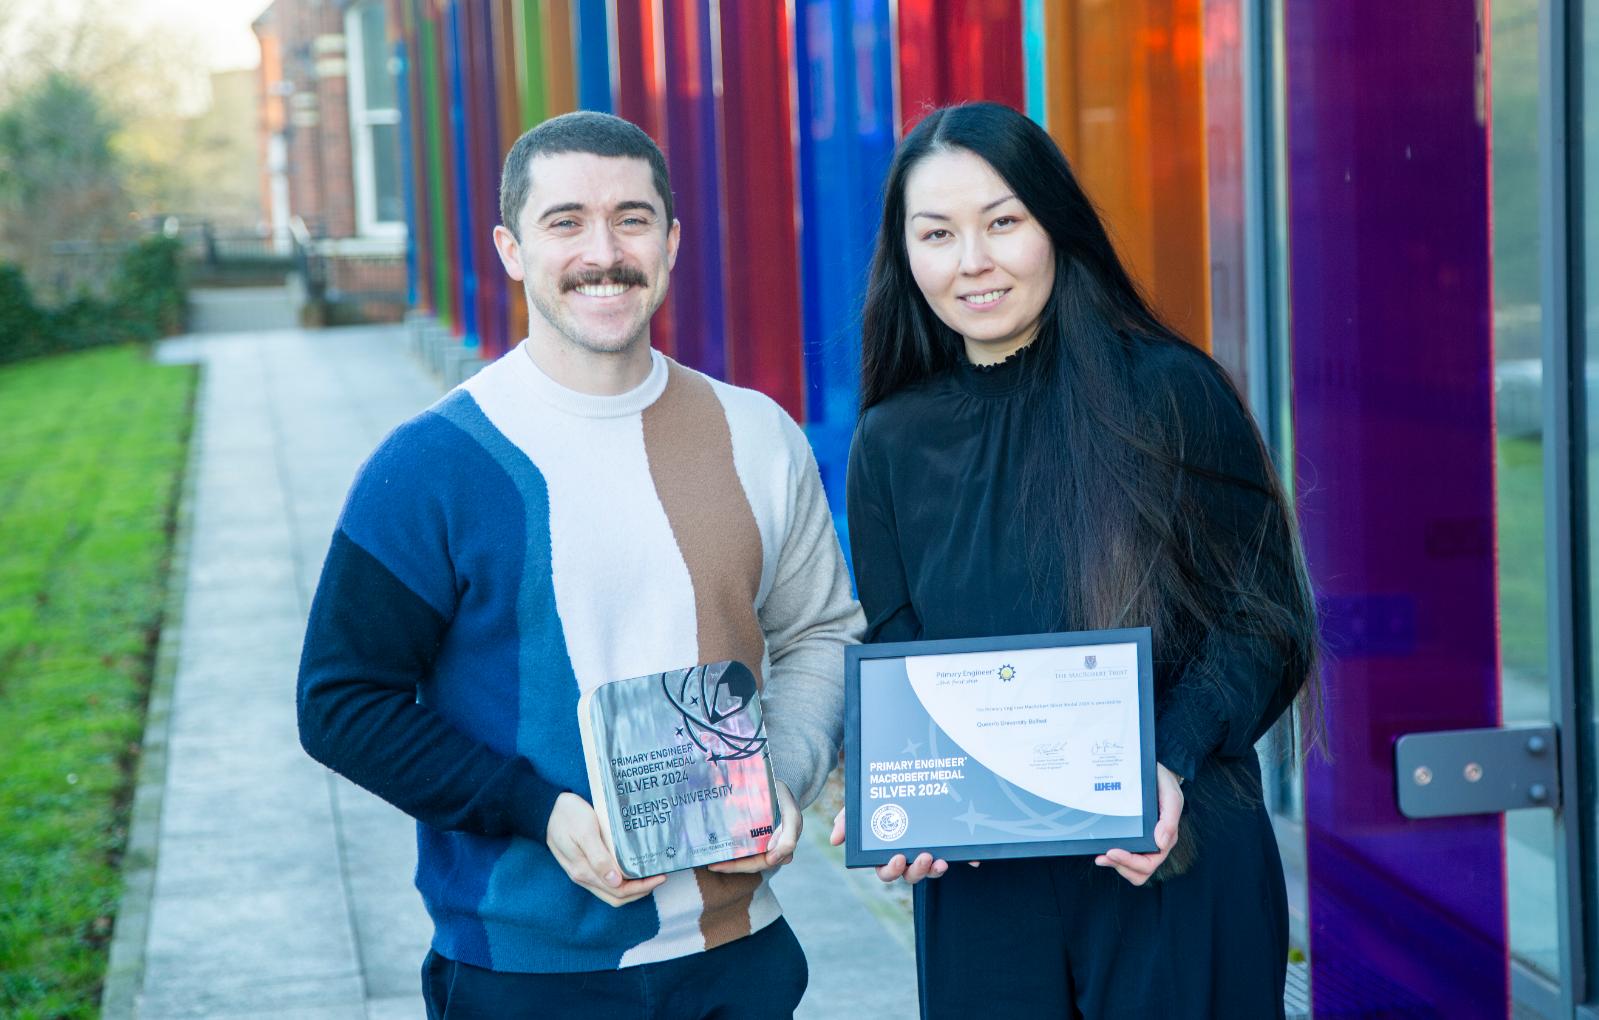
[(1102, 787), (760, 830)]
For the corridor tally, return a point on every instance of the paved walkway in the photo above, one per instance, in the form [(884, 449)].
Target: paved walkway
[(280, 889)]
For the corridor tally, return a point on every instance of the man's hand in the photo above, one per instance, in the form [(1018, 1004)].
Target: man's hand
[(573, 836), (781, 849), (1137, 868), (924, 866)]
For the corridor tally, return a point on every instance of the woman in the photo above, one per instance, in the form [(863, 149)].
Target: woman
[(1038, 451)]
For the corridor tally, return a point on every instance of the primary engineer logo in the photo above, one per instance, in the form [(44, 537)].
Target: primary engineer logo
[(889, 822), (1007, 673)]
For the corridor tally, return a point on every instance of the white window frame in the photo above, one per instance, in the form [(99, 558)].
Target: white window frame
[(362, 120)]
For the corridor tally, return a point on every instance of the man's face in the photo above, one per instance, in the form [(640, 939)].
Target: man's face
[(595, 252)]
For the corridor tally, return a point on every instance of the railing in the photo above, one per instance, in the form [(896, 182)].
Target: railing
[(349, 281), (218, 256)]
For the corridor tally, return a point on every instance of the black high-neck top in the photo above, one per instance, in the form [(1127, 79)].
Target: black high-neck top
[(935, 474)]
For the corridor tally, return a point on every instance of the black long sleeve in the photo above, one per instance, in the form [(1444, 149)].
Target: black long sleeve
[(1225, 695), (935, 529), (369, 644)]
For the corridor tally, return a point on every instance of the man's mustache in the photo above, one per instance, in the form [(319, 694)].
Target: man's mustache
[(626, 276)]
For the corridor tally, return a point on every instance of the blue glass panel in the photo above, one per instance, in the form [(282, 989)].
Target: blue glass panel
[(591, 27), (843, 54)]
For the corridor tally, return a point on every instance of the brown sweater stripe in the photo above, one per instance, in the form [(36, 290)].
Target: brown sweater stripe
[(690, 451)]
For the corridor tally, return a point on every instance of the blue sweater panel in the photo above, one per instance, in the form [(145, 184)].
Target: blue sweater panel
[(436, 674)]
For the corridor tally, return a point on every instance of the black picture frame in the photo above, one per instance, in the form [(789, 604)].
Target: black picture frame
[(857, 857)]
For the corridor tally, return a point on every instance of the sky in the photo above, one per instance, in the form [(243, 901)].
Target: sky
[(221, 28)]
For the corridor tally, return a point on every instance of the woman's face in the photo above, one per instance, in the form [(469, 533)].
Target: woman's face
[(980, 258)]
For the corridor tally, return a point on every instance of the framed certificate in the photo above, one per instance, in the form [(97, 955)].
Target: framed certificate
[(985, 748)]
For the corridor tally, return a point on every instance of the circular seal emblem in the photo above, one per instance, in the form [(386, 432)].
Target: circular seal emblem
[(889, 822)]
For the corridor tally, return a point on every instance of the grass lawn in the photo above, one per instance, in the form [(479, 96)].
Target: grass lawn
[(92, 448)]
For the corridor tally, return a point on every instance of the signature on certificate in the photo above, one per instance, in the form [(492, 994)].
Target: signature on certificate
[(1049, 748), (1106, 747)]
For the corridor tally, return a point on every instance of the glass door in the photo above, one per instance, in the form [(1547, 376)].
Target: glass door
[(1521, 482)]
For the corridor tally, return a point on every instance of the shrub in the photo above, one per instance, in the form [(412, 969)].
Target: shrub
[(146, 300), (21, 323), (148, 290)]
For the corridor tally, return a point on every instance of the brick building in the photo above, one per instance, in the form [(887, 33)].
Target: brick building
[(329, 132)]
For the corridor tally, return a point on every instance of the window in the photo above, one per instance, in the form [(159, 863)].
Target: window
[(374, 123)]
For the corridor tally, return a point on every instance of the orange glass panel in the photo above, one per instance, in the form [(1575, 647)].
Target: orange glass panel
[(561, 85), (1126, 102)]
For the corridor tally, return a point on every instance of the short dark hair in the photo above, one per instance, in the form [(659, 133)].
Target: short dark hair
[(583, 131)]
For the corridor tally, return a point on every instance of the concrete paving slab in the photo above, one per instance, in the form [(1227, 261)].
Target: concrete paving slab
[(312, 1013), (267, 641), (286, 945), (207, 998), (398, 1007), (216, 811), (240, 567), (215, 863), (392, 929), (234, 605)]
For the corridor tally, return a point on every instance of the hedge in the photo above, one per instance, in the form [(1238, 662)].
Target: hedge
[(145, 300)]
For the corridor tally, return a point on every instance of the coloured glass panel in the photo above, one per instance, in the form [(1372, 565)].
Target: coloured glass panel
[(691, 154), (953, 51), (762, 264), (1126, 103), (843, 54), (640, 93), (460, 171), (592, 49), (1393, 373)]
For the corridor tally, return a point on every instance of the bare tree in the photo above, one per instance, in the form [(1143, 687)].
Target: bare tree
[(61, 182), (97, 132)]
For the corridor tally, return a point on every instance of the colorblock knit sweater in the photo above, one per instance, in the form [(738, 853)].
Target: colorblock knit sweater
[(519, 543)]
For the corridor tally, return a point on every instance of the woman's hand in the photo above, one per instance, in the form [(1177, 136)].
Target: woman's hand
[(1137, 868), (924, 866)]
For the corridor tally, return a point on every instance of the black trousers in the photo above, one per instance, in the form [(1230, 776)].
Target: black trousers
[(1061, 937), (758, 977)]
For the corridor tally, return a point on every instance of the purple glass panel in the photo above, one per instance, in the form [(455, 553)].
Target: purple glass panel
[(1392, 369), (691, 155)]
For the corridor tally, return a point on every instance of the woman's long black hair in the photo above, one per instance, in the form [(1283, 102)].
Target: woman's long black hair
[(1104, 484)]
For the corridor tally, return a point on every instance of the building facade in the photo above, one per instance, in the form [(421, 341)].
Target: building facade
[(330, 147)]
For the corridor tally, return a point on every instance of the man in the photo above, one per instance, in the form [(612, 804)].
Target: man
[(583, 510)]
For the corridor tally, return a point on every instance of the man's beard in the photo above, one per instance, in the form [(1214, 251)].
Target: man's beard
[(558, 316)]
